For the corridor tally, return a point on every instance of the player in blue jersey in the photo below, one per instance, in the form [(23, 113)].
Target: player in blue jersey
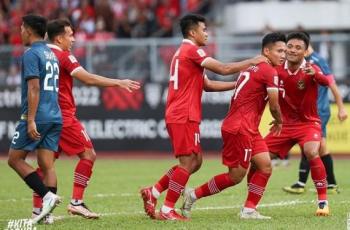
[(41, 122), (324, 113)]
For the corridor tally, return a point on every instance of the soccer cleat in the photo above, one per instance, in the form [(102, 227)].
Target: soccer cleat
[(50, 201), (294, 189), (322, 209), (255, 215), (149, 202), (172, 215), (187, 202), (82, 210), (333, 189), (48, 219)]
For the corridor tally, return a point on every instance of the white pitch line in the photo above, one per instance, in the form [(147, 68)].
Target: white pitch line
[(270, 205), (99, 195)]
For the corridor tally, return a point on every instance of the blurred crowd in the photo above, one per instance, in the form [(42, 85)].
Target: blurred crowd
[(97, 20)]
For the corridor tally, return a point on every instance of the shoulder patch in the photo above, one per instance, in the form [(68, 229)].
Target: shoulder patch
[(72, 59), (201, 52)]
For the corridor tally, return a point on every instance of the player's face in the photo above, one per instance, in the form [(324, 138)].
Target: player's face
[(296, 50), (276, 53), (24, 35), (200, 34), (67, 39)]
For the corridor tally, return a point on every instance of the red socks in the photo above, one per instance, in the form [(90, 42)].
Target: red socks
[(256, 188), (163, 182), (176, 184), (318, 175), (82, 176), (214, 185)]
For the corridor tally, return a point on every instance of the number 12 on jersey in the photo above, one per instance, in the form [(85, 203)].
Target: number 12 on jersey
[(175, 76)]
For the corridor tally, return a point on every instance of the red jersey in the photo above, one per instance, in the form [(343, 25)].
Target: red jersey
[(249, 99), (298, 93), (186, 84), (68, 64)]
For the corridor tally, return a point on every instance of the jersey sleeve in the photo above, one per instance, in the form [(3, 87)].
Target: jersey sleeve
[(270, 78), (70, 63), (319, 77), (31, 63), (197, 55)]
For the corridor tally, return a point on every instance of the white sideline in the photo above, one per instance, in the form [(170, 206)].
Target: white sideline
[(269, 205)]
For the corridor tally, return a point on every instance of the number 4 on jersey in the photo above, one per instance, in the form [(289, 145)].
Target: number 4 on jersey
[(175, 77)]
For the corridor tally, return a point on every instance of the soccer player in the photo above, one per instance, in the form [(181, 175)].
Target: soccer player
[(301, 124), (243, 142), (74, 141), (41, 121), (324, 112), (183, 112)]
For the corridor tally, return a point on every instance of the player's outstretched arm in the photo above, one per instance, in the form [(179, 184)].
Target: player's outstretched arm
[(342, 114), (215, 86), (33, 102), (275, 111), (93, 79), (233, 67)]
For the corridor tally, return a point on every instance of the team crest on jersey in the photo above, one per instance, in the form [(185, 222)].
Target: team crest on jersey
[(201, 52), (301, 84), (72, 58)]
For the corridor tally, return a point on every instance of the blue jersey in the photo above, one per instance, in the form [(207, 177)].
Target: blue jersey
[(322, 100), (40, 62)]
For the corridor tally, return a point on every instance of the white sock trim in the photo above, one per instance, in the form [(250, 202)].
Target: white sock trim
[(166, 209), (301, 183), (155, 192)]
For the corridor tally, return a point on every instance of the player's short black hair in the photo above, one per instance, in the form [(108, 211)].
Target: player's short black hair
[(36, 23), (273, 37), (57, 27), (306, 34), (189, 21), (299, 36)]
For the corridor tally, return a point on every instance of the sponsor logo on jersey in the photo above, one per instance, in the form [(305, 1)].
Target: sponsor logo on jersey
[(201, 52), (72, 58)]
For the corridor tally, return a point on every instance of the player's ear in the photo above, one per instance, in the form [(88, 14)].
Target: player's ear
[(266, 51)]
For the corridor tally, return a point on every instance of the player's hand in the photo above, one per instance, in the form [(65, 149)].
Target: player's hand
[(32, 132), (342, 114), (308, 69), (276, 128), (260, 58), (129, 85)]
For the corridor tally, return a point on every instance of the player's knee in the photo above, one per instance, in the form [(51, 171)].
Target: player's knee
[(89, 154), (11, 162), (267, 168), (236, 176), (196, 166)]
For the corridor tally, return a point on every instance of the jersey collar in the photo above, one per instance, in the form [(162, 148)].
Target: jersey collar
[(188, 41), (52, 46), (296, 72)]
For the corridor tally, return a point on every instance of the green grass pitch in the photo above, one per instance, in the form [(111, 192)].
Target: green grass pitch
[(113, 192)]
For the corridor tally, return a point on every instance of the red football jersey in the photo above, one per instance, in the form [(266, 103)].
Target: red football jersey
[(249, 99), (298, 93), (186, 84), (67, 64)]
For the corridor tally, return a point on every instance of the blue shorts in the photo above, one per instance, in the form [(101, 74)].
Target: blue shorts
[(324, 122), (50, 135)]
